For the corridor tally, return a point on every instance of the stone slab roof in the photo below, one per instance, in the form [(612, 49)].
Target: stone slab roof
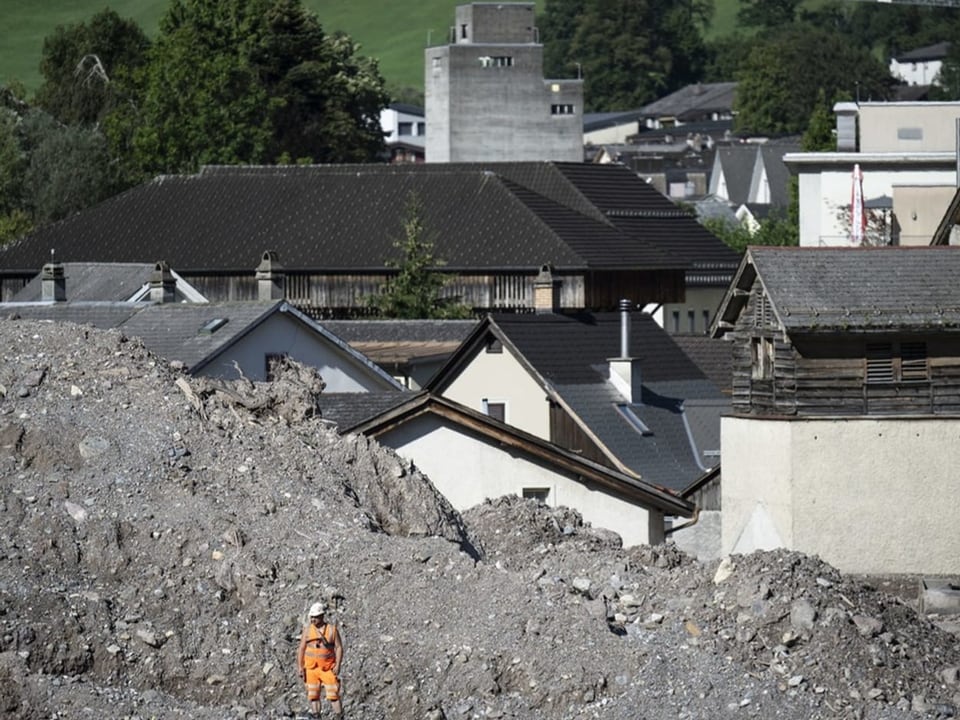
[(862, 289)]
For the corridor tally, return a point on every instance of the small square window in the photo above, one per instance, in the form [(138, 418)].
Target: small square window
[(497, 409), (495, 347), (540, 494)]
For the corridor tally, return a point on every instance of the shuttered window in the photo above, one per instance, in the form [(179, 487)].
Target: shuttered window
[(879, 363), (913, 361), (896, 362)]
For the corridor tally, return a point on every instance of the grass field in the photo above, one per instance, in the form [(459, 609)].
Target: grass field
[(394, 32)]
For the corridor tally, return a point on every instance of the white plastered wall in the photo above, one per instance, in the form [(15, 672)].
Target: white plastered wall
[(868, 495), (499, 377), (469, 468)]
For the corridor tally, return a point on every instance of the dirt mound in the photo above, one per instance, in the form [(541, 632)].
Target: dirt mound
[(162, 536)]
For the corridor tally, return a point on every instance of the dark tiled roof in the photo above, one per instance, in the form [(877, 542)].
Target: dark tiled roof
[(854, 289), (565, 348), (713, 356), (737, 163), (345, 410), (347, 217), (601, 120), (937, 51)]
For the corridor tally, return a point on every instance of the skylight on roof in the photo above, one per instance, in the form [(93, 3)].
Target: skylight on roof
[(211, 326), (631, 417)]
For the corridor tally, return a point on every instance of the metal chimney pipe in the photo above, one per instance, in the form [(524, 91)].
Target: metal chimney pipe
[(625, 328)]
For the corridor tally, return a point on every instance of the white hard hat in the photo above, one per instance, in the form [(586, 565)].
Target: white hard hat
[(317, 609)]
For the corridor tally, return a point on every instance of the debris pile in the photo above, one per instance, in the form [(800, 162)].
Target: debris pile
[(161, 538)]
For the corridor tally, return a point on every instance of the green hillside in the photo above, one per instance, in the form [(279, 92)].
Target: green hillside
[(395, 33)]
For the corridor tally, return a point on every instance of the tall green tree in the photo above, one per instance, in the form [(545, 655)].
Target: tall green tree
[(415, 291), (80, 63), (629, 51), (819, 135), (248, 81), (774, 98)]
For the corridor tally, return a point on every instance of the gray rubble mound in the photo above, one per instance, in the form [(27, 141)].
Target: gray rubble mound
[(162, 536)]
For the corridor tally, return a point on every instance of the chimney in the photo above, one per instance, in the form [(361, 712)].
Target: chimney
[(53, 283), (546, 291), (624, 373), (270, 277), (846, 126), (163, 286)]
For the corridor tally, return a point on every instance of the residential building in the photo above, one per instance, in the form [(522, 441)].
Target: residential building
[(920, 66), (485, 95), (612, 387), (471, 457), (845, 403), (907, 154)]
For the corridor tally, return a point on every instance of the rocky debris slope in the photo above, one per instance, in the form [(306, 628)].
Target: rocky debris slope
[(161, 537)]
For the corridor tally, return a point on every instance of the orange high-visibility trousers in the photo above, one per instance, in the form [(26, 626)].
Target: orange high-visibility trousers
[(315, 677)]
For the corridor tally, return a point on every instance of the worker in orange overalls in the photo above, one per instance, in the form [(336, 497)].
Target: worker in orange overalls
[(319, 657)]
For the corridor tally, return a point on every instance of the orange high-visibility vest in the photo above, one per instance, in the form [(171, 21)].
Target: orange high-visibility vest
[(320, 651)]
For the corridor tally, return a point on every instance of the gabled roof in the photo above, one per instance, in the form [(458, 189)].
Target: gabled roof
[(122, 282), (514, 440), (864, 289), (778, 175), (568, 355), (498, 216), (694, 101), (735, 163)]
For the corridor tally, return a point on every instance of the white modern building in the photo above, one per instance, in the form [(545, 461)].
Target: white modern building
[(907, 152)]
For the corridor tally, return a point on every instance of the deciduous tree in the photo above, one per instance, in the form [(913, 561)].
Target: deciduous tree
[(629, 51), (775, 97), (80, 63), (248, 81)]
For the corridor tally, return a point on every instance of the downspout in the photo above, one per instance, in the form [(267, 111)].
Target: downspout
[(693, 521)]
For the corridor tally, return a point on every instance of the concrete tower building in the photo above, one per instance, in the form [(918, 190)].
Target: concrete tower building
[(486, 97)]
